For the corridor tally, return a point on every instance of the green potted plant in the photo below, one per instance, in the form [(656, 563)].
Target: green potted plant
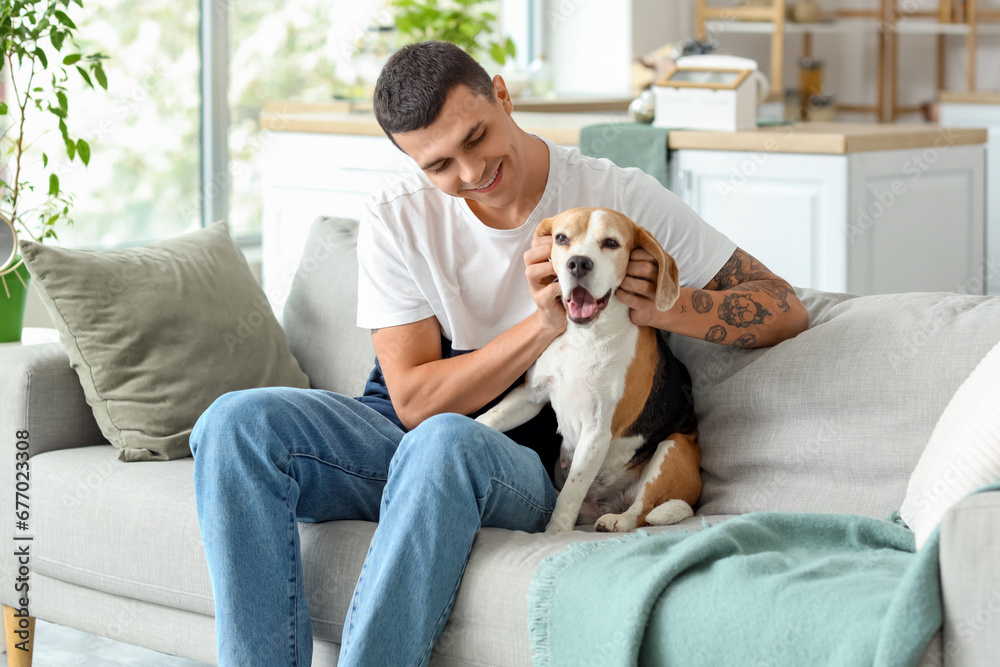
[(39, 49), (466, 23)]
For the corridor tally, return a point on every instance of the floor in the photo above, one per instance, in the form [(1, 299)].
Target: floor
[(58, 646)]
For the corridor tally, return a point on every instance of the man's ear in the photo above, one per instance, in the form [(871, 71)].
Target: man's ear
[(667, 286), (544, 228), (502, 94)]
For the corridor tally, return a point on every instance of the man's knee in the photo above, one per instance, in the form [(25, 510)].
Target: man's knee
[(220, 425), (444, 440)]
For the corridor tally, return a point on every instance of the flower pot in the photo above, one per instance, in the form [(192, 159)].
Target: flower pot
[(13, 297)]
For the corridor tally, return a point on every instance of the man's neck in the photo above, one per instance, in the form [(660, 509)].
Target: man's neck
[(536, 154)]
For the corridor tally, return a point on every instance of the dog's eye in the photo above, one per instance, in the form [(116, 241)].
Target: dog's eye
[(561, 239), (611, 243)]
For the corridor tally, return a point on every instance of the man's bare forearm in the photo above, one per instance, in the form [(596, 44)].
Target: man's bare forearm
[(467, 382), (751, 314)]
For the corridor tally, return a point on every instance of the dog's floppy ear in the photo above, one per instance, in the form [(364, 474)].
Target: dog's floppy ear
[(544, 227), (667, 287)]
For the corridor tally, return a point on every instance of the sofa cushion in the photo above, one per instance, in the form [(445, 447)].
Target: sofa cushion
[(156, 333), (91, 524), (835, 419), (129, 529), (319, 314), (963, 454)]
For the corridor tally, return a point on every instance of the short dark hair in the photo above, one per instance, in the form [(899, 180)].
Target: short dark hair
[(416, 80)]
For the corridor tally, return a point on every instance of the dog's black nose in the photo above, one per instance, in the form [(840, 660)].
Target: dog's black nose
[(579, 265)]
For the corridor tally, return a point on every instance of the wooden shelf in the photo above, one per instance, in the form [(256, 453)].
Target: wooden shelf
[(773, 21), (977, 24), (768, 27), (926, 27), (889, 22)]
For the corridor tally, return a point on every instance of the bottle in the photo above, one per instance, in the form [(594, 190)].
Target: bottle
[(810, 81)]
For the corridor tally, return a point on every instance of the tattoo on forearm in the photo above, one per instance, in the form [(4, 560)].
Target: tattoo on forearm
[(779, 291), (716, 334), (776, 289), (740, 310), (374, 331), (702, 301), (744, 341), (741, 268)]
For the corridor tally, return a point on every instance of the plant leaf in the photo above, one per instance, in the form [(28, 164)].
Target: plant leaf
[(72, 59), (497, 53), (53, 185), (41, 56), (83, 148), (65, 20), (99, 75), (86, 77)]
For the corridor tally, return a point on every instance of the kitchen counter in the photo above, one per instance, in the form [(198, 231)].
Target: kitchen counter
[(970, 97), (829, 138), (564, 128)]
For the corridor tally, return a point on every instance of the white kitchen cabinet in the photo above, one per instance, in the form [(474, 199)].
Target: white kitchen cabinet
[(866, 222), (980, 109)]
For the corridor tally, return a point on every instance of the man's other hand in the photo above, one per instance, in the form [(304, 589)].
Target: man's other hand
[(542, 283), (638, 290)]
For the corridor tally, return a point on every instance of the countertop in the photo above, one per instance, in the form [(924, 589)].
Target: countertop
[(829, 138), (970, 97), (564, 128)]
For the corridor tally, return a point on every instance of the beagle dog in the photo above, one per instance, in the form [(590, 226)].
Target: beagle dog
[(630, 453)]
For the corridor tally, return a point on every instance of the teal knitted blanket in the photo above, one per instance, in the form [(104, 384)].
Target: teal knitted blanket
[(759, 589)]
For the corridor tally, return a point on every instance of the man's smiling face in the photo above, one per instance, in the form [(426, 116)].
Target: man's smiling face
[(471, 149)]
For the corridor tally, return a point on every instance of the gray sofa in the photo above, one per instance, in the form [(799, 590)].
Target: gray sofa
[(831, 421)]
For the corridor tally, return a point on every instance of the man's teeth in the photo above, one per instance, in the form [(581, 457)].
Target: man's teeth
[(491, 180)]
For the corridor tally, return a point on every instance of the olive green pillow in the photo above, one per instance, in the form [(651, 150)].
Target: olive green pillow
[(156, 333)]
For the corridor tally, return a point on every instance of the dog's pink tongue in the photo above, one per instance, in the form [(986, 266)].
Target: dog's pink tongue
[(581, 304)]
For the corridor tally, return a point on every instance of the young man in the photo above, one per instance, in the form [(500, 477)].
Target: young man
[(447, 265)]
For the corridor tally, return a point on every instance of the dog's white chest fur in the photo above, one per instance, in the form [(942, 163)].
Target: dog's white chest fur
[(582, 374)]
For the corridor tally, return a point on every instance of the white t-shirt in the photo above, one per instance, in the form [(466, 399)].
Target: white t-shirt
[(422, 252)]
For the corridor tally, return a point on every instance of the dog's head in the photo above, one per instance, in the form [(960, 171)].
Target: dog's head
[(590, 252)]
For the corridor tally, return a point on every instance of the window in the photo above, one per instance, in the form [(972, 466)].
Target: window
[(297, 52), (142, 183)]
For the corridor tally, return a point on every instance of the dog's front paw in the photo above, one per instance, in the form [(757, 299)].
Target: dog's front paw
[(615, 523), (488, 419)]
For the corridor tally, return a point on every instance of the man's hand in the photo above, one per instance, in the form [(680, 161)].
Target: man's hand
[(544, 287), (638, 290), (744, 305)]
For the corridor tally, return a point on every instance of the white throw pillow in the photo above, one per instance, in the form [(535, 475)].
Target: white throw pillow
[(963, 453)]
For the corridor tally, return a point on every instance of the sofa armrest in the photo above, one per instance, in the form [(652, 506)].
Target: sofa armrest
[(970, 581), (41, 393)]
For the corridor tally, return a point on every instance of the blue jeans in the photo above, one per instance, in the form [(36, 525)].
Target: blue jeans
[(266, 458)]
